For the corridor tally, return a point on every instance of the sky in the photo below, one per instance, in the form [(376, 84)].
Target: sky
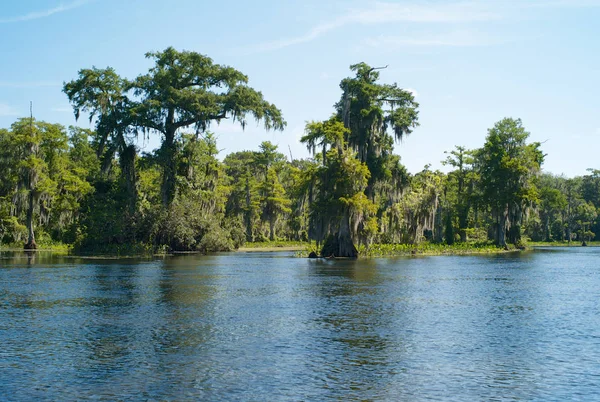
[(469, 63)]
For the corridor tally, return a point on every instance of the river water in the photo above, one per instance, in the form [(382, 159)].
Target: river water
[(271, 327)]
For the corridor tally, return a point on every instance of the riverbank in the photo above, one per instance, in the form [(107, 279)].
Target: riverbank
[(58, 248), (422, 249), (140, 250), (393, 250), (272, 246), (303, 249), (562, 244)]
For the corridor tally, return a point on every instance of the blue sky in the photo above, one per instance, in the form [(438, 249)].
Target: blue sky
[(470, 63)]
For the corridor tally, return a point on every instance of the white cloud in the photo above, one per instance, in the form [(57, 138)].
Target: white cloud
[(561, 4), (419, 12), (6, 110), (34, 15), (449, 39), (380, 12)]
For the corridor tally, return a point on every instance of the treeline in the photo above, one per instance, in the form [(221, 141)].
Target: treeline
[(94, 190)]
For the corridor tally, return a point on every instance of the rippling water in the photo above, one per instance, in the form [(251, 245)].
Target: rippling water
[(267, 326)]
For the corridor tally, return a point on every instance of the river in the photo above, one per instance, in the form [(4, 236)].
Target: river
[(271, 327)]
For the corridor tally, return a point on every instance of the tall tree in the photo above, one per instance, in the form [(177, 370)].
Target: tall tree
[(274, 200), (463, 178), (417, 210), (182, 89), (79, 166), (267, 156), (244, 200), (102, 93), (590, 192), (376, 115), (36, 158), (586, 213), (369, 116), (552, 204), (341, 208), (508, 169)]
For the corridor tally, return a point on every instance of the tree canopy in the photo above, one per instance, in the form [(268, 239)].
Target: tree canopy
[(93, 189), (182, 89)]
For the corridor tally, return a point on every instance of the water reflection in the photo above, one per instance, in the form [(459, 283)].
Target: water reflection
[(266, 326), (354, 342)]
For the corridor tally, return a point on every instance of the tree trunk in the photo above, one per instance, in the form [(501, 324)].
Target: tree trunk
[(569, 218), (272, 229), (346, 246), (502, 227), (31, 244), (248, 211), (515, 217), (449, 230), (370, 191), (438, 224), (127, 161), (462, 224), (169, 166)]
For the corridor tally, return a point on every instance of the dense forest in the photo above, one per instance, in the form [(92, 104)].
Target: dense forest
[(94, 190)]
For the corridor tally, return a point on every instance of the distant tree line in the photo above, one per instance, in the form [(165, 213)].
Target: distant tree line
[(94, 190)]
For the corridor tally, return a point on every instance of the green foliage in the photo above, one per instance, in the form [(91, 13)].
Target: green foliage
[(371, 111), (182, 89), (274, 202), (358, 169), (275, 244), (42, 181), (426, 248), (460, 191), (244, 201), (11, 231), (422, 249), (184, 227), (508, 169), (93, 190)]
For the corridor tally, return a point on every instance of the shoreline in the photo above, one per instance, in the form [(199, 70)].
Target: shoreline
[(266, 249), (302, 251)]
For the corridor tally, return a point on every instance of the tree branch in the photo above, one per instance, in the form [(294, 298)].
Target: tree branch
[(151, 125), (377, 68), (185, 123)]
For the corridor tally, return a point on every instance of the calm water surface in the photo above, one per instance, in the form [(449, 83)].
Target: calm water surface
[(267, 326)]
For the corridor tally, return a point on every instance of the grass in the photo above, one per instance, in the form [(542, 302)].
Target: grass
[(278, 245), (390, 250), (425, 248), (102, 250), (573, 243), (117, 250), (302, 249), (55, 247)]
